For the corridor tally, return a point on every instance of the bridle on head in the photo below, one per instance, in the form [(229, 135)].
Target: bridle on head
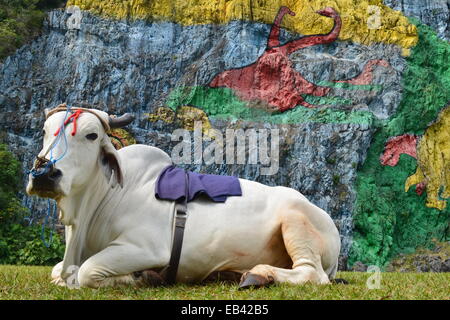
[(42, 165)]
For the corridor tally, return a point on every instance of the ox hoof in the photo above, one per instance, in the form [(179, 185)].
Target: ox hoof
[(148, 278), (339, 281), (250, 280), (59, 282)]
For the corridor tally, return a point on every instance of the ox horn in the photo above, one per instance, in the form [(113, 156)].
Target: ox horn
[(122, 121), (46, 112)]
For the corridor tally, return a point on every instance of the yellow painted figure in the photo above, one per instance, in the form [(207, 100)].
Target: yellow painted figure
[(186, 116), (364, 21), (121, 138), (433, 162)]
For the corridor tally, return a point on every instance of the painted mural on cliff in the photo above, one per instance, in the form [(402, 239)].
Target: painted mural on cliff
[(274, 85), (272, 78), (273, 82), (272, 88), (390, 26), (392, 216)]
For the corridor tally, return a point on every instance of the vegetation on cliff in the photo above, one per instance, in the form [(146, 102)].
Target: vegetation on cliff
[(21, 21), (20, 243)]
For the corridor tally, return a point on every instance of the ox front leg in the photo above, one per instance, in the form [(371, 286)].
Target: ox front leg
[(92, 277), (117, 266), (56, 275)]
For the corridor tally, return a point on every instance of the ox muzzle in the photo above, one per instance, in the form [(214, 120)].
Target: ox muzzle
[(44, 179)]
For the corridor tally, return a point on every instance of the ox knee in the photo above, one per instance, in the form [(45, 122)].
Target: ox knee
[(91, 276)]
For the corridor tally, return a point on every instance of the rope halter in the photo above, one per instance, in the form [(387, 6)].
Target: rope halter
[(73, 118), (108, 123)]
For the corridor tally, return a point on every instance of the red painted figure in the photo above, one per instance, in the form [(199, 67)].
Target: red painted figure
[(366, 75), (272, 77), (405, 144)]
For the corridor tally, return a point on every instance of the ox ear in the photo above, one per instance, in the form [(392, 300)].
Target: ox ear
[(110, 163)]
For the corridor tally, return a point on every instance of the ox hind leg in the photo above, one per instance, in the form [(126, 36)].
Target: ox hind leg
[(306, 248)]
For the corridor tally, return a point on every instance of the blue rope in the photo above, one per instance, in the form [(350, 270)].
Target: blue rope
[(52, 214), (62, 132), (29, 218), (52, 161)]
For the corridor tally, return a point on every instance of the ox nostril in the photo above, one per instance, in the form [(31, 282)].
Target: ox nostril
[(55, 174)]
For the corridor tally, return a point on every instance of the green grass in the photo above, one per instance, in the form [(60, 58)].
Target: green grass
[(21, 282)]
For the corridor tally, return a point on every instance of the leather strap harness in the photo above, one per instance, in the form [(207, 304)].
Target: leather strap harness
[(177, 244)]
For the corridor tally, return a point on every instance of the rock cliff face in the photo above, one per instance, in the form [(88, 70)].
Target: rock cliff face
[(435, 13), (166, 66)]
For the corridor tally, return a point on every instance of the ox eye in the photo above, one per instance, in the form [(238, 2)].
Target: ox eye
[(43, 132), (92, 136)]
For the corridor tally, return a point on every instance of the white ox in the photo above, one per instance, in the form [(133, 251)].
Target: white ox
[(118, 233)]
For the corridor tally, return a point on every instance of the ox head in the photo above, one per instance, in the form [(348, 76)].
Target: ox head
[(81, 150)]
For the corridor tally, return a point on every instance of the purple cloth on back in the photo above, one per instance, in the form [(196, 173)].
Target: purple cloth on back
[(171, 185)]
